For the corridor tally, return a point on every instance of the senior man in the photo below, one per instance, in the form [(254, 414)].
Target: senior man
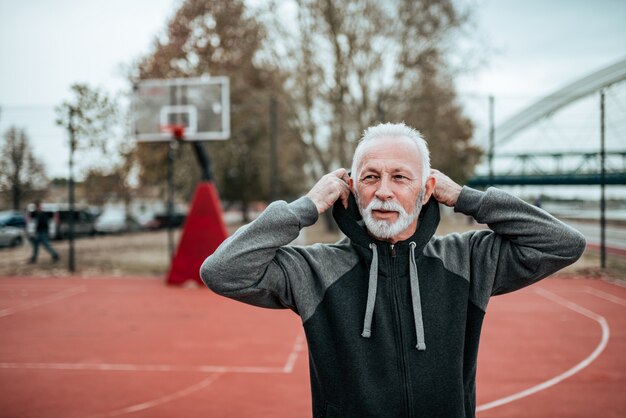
[(392, 314)]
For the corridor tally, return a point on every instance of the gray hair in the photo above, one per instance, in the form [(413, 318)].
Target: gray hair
[(392, 130)]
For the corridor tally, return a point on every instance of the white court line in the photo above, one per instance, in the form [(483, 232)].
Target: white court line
[(569, 373), (293, 356), (164, 399), (606, 296), (286, 369), (142, 367), (42, 301)]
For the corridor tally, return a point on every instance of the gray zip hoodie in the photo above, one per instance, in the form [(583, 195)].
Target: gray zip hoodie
[(392, 331)]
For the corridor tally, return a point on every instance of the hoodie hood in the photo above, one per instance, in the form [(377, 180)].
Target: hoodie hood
[(348, 221)]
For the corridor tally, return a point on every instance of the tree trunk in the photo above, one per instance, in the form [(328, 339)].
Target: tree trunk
[(17, 194)]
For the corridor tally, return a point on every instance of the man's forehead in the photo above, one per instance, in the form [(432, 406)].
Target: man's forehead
[(399, 150), (389, 164)]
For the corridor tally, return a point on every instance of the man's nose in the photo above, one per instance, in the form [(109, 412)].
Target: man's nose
[(384, 191)]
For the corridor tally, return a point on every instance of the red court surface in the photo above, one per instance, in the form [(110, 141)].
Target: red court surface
[(139, 348)]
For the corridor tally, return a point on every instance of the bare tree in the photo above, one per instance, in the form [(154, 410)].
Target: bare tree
[(22, 175), (353, 63), (89, 119), (221, 38), (90, 116)]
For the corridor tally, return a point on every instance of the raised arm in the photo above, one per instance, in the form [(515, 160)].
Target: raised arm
[(525, 243), (255, 265)]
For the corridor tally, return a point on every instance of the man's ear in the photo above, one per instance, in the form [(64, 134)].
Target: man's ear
[(429, 188), (351, 184)]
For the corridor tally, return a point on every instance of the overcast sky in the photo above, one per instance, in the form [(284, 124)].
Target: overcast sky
[(46, 45)]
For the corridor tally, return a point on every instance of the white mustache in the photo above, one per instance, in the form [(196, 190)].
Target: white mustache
[(376, 204)]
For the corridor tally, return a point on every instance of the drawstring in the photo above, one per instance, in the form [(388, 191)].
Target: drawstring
[(415, 296), (371, 293), (417, 303)]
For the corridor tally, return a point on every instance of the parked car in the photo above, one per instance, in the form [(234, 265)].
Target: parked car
[(59, 218), (12, 228), (12, 218), (116, 221), (160, 221)]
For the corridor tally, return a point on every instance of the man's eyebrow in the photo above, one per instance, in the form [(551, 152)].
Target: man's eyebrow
[(401, 169), (370, 168)]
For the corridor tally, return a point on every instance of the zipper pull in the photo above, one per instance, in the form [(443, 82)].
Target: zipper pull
[(393, 250)]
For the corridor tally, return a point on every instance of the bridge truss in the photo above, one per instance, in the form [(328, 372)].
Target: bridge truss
[(557, 168), (572, 167)]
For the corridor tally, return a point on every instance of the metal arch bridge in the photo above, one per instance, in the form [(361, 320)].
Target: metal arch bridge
[(534, 171), (584, 169)]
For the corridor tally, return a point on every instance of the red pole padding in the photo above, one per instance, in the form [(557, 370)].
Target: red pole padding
[(203, 232)]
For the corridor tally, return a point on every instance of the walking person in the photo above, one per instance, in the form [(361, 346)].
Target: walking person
[(41, 221)]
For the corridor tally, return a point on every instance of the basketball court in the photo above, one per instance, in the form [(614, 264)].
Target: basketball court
[(136, 347), (107, 347)]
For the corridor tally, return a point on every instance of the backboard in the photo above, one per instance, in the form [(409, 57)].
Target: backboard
[(200, 105)]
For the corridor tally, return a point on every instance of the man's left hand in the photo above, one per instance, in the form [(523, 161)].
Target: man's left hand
[(446, 191)]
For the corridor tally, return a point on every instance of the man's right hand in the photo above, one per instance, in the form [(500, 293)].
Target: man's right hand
[(333, 186)]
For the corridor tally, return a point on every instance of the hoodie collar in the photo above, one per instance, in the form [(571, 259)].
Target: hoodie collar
[(348, 221)]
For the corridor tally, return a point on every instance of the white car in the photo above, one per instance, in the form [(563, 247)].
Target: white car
[(12, 224), (11, 236), (115, 221)]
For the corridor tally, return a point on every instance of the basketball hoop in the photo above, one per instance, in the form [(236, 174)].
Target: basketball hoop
[(202, 105), (177, 131)]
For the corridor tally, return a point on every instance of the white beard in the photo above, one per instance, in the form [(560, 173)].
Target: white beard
[(383, 229)]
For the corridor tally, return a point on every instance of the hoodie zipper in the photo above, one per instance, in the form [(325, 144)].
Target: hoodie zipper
[(403, 360)]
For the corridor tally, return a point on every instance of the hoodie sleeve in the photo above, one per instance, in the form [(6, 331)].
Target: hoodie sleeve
[(252, 265), (525, 243)]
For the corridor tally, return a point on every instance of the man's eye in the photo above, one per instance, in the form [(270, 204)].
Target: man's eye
[(370, 178), (400, 177)]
